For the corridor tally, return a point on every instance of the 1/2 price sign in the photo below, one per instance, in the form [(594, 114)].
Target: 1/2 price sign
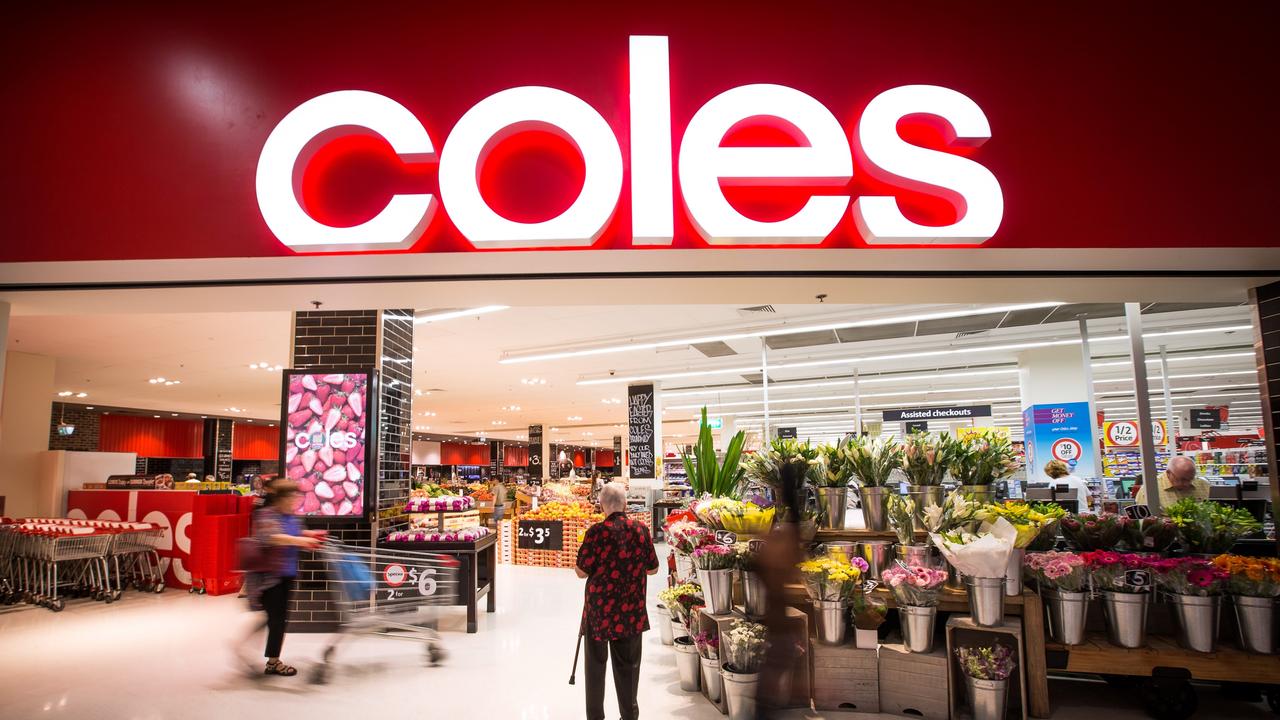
[(540, 535)]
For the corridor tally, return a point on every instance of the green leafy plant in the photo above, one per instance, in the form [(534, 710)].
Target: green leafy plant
[(784, 455), (902, 515), (707, 476), (925, 459), (981, 459), (1210, 527), (872, 462)]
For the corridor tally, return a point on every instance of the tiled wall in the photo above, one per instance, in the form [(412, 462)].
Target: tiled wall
[(1266, 328), (87, 422), (325, 338)]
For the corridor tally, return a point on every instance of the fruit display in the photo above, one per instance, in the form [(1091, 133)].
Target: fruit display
[(470, 534), (325, 442), (551, 492), (428, 490), (482, 496), (443, 503), (581, 490), (564, 511)]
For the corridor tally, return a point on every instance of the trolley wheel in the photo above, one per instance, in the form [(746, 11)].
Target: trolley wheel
[(319, 675), (159, 588), (191, 590), (57, 605), (1169, 699), (435, 654)]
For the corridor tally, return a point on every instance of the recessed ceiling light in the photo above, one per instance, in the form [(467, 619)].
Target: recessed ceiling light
[(82, 394), (510, 408), (88, 407), (253, 366), (174, 414), (65, 393), (574, 418), (428, 413), (155, 416), (533, 381), (250, 419)]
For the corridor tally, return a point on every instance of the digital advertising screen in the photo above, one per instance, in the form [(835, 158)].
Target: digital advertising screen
[(328, 446)]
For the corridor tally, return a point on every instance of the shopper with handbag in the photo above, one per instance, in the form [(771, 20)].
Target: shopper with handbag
[(269, 558)]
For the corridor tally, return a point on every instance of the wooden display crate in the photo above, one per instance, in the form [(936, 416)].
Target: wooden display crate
[(798, 628), (962, 630), (845, 678), (914, 684)]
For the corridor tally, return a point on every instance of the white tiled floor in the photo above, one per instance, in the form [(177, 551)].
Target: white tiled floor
[(168, 657)]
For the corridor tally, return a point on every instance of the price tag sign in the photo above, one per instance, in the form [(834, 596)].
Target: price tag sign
[(755, 546), (1137, 578), (1137, 512), (870, 585), (724, 537), (540, 535)]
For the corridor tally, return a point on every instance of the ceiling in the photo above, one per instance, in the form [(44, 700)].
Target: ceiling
[(905, 355)]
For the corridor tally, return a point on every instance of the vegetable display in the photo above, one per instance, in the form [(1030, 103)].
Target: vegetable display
[(470, 534), (443, 503)]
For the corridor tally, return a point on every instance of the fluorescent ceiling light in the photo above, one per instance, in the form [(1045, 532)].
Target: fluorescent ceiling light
[(774, 332), (870, 380), (900, 393), (454, 314), (1176, 358), (848, 409), (1190, 388)]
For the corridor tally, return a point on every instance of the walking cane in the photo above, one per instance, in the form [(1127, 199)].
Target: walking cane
[(582, 630)]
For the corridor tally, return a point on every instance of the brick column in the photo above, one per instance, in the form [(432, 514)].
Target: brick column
[(359, 338), (1266, 346)]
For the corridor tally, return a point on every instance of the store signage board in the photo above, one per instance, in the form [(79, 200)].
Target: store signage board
[(634, 123), (715, 423), (726, 537), (1061, 432), (641, 431), (1124, 434), (540, 535), (786, 432), (915, 426), (938, 413), (1204, 419), (535, 454), (327, 443), (617, 454)]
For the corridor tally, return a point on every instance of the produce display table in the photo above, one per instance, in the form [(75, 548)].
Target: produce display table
[(1226, 664), (477, 574), (571, 532)]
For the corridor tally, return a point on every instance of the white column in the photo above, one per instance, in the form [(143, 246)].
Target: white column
[(1054, 388), (4, 343), (1138, 354), (25, 414)]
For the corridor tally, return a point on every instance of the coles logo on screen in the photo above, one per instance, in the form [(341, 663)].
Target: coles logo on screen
[(337, 439), (822, 156)]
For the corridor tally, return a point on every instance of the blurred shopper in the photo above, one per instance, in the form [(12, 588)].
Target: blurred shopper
[(616, 556), (278, 535), (1060, 474), (778, 561), (1179, 481), (499, 501)]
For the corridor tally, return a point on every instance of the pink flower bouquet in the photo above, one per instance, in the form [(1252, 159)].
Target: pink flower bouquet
[(1064, 571), (1110, 570), (1190, 576), (714, 557), (689, 536), (914, 585)]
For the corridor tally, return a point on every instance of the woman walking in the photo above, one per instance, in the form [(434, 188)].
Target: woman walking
[(279, 535)]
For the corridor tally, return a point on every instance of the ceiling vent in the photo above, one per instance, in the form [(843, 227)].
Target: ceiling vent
[(757, 310), (972, 333)]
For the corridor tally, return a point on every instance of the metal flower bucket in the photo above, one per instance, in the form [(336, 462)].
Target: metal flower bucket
[(1197, 621), (753, 594), (986, 600), (1013, 573), (833, 625), (1256, 618), (874, 513), (877, 553), (687, 662), (740, 693), (1126, 615), (917, 627), (1068, 612), (834, 501), (989, 698), (664, 625), (717, 590), (711, 679)]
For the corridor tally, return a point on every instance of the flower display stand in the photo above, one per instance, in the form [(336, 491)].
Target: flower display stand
[(914, 684), (845, 678), (797, 627), (963, 631)]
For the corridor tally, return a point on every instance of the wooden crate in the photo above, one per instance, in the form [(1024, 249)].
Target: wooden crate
[(845, 678), (914, 684), (798, 628), (962, 630)]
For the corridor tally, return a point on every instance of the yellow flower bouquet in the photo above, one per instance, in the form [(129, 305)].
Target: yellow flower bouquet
[(832, 578)]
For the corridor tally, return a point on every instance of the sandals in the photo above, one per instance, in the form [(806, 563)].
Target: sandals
[(278, 668)]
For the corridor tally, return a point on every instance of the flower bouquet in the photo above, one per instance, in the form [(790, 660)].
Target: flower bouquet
[(1026, 521), (743, 646), (708, 644), (902, 517), (925, 459), (681, 600), (835, 472), (714, 557), (1150, 534), (1125, 583), (711, 511), (715, 563), (872, 462), (986, 673), (1047, 538), (832, 579), (1255, 583), (789, 468), (1061, 571), (915, 585), (984, 555), (1194, 585), (1210, 527), (1094, 531), (1109, 571), (956, 513), (748, 518), (981, 459), (687, 536)]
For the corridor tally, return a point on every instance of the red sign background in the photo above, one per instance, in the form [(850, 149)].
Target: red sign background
[(134, 133)]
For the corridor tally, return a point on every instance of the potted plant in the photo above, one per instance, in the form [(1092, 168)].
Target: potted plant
[(915, 588), (871, 462), (1207, 527), (1195, 586), (1125, 582), (707, 476), (708, 645), (753, 592), (790, 468), (1064, 583), (714, 564), (977, 462), (1087, 532), (869, 613), (925, 460), (831, 581), (832, 480), (1254, 584), (986, 672), (743, 647), (1027, 523)]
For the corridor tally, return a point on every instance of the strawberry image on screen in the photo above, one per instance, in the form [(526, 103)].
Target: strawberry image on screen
[(326, 424)]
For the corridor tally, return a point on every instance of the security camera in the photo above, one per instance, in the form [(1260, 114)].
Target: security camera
[(613, 372)]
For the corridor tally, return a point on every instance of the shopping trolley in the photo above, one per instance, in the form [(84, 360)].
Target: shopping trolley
[(44, 559), (388, 593)]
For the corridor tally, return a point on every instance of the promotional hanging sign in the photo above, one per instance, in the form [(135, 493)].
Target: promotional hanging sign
[(1058, 432), (937, 413), (327, 446), (641, 431), (1124, 434)]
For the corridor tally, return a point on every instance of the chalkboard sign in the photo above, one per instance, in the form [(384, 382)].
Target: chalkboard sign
[(540, 535), (755, 546), (787, 432), (917, 426), (1137, 578), (725, 537), (1137, 512), (617, 454), (535, 453), (640, 429)]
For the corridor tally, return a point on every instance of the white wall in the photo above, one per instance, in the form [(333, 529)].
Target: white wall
[(25, 413), (425, 452), (64, 470)]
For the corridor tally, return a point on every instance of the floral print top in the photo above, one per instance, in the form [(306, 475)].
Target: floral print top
[(617, 555)]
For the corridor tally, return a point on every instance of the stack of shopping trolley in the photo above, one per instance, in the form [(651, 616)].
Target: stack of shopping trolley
[(45, 560)]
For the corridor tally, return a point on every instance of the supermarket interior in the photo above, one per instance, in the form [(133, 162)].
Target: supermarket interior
[(756, 360)]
